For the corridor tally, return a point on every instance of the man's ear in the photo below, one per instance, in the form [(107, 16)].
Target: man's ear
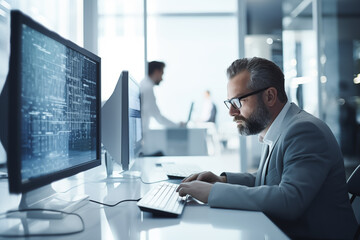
[(270, 96)]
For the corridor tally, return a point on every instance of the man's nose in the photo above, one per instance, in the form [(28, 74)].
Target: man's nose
[(234, 111)]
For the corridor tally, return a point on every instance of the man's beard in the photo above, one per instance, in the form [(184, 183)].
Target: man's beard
[(257, 121)]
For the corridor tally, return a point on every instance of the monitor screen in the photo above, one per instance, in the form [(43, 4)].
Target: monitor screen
[(54, 94)]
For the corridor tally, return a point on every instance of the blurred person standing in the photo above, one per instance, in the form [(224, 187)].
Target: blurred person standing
[(149, 106), (150, 109), (209, 109)]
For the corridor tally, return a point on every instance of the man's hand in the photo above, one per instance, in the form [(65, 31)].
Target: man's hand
[(205, 177), (196, 189)]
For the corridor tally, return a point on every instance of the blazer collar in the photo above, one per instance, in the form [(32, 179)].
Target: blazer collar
[(291, 112), (275, 129)]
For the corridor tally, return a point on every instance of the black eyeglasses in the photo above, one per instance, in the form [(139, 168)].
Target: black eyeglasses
[(236, 102)]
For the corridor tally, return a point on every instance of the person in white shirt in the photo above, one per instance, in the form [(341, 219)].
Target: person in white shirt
[(149, 106), (209, 109)]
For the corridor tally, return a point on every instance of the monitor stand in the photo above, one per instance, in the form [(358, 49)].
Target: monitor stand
[(43, 223), (114, 171), (47, 198), (125, 174)]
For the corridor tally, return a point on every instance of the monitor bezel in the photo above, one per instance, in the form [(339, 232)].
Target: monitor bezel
[(125, 151), (125, 124), (131, 79), (14, 112)]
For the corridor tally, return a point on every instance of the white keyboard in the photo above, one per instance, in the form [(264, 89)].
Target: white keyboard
[(163, 200), (179, 171)]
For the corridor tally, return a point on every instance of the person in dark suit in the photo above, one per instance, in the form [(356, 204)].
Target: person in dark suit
[(300, 183)]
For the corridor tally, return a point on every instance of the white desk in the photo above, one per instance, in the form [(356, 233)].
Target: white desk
[(126, 221)]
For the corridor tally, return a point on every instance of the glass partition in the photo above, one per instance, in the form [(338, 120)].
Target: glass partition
[(325, 65)]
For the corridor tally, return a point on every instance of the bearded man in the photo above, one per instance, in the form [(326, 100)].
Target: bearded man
[(300, 183)]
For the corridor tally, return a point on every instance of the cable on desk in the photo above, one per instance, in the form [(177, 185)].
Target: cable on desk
[(44, 234), (130, 178), (152, 182), (82, 183), (115, 204)]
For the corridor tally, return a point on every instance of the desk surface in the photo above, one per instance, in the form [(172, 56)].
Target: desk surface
[(126, 221)]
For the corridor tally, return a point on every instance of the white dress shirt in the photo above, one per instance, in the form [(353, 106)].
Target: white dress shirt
[(270, 139), (275, 129), (149, 107)]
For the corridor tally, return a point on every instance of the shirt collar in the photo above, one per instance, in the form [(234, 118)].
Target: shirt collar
[(275, 129)]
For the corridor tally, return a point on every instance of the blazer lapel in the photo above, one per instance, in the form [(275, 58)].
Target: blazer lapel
[(265, 159), (266, 164), (261, 165), (293, 110)]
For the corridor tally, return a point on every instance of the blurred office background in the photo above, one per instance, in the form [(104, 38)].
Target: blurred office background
[(315, 42)]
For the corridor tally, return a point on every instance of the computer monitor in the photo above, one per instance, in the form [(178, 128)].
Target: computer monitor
[(190, 113), (54, 107), (121, 123), (134, 117)]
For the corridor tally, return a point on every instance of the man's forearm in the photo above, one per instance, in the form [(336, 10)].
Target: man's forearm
[(246, 179)]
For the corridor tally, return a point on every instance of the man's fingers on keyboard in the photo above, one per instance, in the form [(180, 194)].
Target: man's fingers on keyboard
[(186, 179), (202, 176), (183, 190), (190, 178), (182, 185)]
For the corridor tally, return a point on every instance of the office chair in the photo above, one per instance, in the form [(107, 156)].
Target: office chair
[(353, 184)]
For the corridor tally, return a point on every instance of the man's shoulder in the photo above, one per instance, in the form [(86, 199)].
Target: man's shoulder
[(143, 82), (145, 85), (302, 123), (297, 117)]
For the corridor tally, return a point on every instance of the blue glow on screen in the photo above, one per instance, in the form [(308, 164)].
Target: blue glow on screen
[(58, 106)]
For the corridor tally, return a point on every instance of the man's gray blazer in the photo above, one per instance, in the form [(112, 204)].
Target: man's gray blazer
[(305, 190)]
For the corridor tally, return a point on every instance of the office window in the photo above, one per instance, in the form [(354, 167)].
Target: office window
[(65, 17), (197, 40), (189, 6), (121, 41)]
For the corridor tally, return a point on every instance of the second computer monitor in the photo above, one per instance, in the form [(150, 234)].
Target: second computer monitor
[(131, 125), (121, 122)]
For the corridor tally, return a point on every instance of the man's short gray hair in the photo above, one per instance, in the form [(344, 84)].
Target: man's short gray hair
[(263, 73)]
